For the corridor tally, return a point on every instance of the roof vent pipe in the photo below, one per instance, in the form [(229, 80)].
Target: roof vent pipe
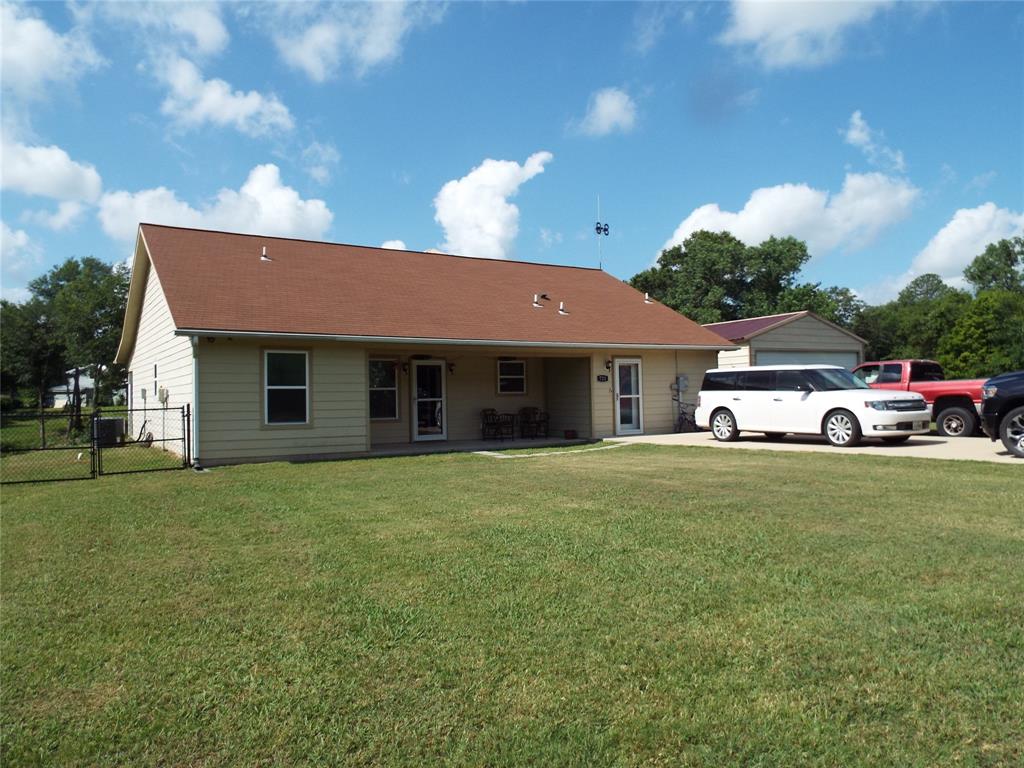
[(536, 301), (561, 308), (648, 299), (263, 256)]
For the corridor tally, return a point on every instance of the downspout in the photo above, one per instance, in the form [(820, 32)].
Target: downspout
[(195, 401)]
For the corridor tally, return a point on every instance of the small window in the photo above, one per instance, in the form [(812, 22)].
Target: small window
[(511, 377), (892, 373), (926, 372), (383, 390), (286, 396)]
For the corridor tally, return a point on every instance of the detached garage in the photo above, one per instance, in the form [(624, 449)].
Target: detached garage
[(792, 338)]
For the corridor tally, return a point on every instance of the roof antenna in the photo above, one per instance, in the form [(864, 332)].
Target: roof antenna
[(263, 256), (601, 228)]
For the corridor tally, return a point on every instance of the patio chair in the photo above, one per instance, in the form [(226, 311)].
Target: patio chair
[(533, 422), (496, 426)]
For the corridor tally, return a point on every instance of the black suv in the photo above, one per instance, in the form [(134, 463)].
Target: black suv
[(1002, 410)]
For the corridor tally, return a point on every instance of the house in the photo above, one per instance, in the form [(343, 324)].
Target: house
[(60, 396), (292, 349), (793, 337)]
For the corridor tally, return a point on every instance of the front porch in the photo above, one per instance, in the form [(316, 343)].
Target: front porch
[(435, 402)]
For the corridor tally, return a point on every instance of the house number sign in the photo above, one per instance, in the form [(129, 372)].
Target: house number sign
[(602, 377)]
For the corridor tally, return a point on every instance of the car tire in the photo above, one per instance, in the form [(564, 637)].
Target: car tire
[(1011, 431), (723, 426), (956, 421), (896, 440), (775, 435), (842, 429)]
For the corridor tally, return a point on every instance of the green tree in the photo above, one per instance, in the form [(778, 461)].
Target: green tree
[(30, 347), (999, 267), (988, 337), (839, 305), (713, 276)]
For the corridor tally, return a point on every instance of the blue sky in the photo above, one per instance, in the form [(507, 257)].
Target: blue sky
[(889, 136)]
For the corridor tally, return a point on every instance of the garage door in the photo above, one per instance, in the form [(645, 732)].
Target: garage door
[(845, 359)]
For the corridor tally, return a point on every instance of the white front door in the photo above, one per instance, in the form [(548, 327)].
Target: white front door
[(629, 407), (429, 417)]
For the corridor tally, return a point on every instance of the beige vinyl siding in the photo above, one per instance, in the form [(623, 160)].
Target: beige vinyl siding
[(807, 333), (734, 357), (567, 395), (471, 387), (658, 371), (156, 344), (231, 418)]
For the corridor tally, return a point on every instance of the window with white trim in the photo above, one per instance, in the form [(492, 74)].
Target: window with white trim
[(383, 390), (511, 377), (286, 387)]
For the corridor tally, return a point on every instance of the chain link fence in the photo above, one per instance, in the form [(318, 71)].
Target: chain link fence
[(38, 446)]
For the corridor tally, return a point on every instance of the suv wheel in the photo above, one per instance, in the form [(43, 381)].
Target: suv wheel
[(956, 421), (842, 429), (1011, 431), (723, 426)]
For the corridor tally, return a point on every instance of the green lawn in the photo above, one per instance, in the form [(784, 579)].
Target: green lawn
[(639, 606)]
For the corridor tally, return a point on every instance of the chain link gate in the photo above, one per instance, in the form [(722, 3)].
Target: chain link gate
[(51, 445)]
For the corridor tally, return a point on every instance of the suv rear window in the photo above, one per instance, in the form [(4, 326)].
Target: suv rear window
[(719, 381)]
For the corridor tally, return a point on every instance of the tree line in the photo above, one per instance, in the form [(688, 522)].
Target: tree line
[(975, 331), (71, 322)]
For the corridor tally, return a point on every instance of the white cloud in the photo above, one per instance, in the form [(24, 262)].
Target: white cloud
[(982, 181), (319, 40), (19, 254), (865, 206), (17, 295), (477, 217), (320, 160), (652, 20), (610, 110), (194, 101), (48, 172), (787, 34), (398, 245), (33, 56), (262, 205), (549, 238), (196, 27), (872, 143), (67, 213), (965, 236)]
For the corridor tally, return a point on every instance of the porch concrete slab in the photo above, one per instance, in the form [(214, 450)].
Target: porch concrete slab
[(471, 446), (924, 447)]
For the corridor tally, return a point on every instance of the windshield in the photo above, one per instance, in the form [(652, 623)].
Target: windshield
[(831, 379)]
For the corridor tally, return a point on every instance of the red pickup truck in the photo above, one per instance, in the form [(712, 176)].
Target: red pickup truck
[(955, 404)]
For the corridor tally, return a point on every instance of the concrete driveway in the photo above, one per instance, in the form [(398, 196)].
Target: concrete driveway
[(925, 447)]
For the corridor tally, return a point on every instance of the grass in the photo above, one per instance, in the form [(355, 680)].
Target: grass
[(640, 606)]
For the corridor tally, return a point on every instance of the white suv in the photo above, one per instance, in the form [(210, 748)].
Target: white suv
[(810, 400)]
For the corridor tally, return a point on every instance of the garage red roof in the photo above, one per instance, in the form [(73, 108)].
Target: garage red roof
[(217, 281), (739, 330)]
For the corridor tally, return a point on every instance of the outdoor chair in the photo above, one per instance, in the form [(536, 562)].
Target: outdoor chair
[(496, 426), (533, 422)]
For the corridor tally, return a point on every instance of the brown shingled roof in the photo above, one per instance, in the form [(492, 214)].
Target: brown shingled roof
[(216, 281)]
